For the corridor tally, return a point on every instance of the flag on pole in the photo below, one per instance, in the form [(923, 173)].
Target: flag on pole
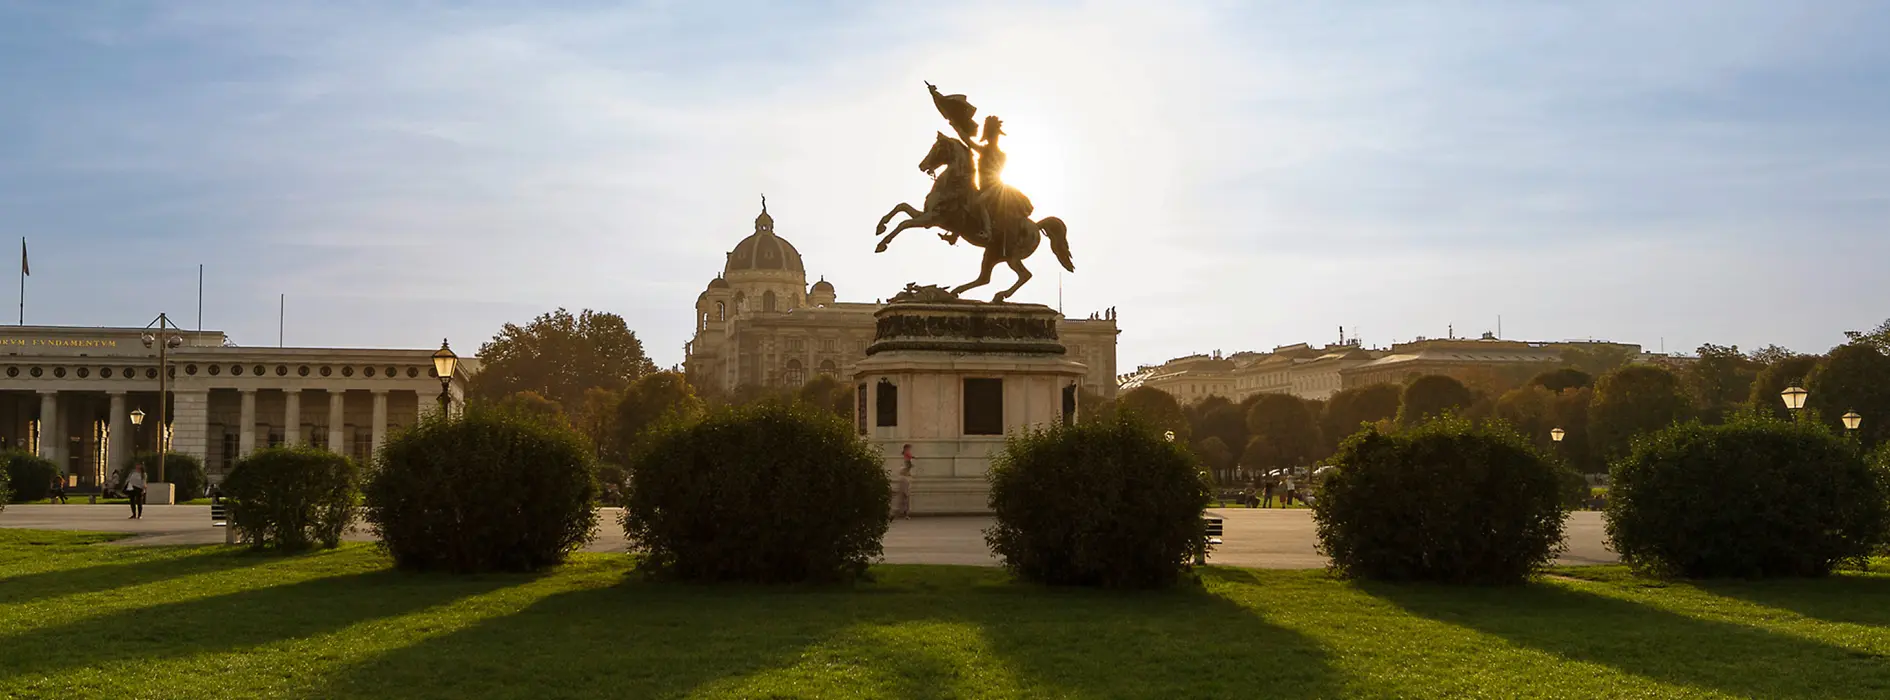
[(24, 270)]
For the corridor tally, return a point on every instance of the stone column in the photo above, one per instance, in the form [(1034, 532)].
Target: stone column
[(117, 436), (246, 425), (380, 421), (190, 423), (336, 401), (425, 404), (292, 417), (50, 440)]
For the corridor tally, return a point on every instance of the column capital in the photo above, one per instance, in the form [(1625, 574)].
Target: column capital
[(115, 392), (247, 391), (378, 392), (48, 392)]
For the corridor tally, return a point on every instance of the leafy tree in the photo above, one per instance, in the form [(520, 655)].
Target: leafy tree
[(1631, 401), (1720, 381), (1853, 377), (1159, 409), (651, 401), (1430, 396), (1528, 410), (30, 475), (1090, 404), (596, 418), (1350, 408), (1214, 454), (1774, 379), (828, 394), (1557, 380), (561, 356), (532, 404), (1284, 433), (1878, 337), (1216, 417), (1772, 355), (1596, 359)]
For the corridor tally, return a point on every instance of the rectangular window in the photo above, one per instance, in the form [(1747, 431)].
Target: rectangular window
[(1069, 404), (859, 410), (984, 407), (888, 414)]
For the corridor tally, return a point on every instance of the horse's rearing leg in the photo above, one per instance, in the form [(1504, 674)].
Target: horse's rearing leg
[(921, 221), (900, 207), (1023, 275)]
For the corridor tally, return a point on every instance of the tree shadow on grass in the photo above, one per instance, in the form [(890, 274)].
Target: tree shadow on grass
[(121, 641), (1648, 642), (1178, 643), (921, 632), (104, 577), (1862, 599), (634, 640)]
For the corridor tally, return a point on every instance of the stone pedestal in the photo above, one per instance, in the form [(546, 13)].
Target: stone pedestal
[(158, 493), (952, 378)]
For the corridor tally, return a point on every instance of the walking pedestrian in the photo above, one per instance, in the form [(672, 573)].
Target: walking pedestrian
[(902, 497), (134, 487), (1292, 493), (1267, 490), (58, 492)]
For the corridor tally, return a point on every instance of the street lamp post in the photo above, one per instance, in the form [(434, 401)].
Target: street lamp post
[(443, 363), (1852, 421), (1794, 397), (166, 336), (1557, 434)]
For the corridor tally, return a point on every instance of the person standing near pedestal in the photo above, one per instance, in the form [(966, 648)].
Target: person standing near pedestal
[(902, 497), (134, 487)]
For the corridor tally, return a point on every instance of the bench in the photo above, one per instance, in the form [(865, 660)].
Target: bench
[(1212, 532), (219, 514)]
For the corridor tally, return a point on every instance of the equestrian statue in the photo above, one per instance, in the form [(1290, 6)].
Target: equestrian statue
[(970, 201)]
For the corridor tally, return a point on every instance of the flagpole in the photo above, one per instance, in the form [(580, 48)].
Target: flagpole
[(23, 269)]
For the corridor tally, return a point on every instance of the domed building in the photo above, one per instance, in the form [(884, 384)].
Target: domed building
[(759, 324)]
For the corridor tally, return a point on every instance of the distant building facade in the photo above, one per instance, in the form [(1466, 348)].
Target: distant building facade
[(759, 324), (67, 393), (1318, 373)]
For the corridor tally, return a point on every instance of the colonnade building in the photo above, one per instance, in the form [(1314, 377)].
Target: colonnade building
[(67, 394)]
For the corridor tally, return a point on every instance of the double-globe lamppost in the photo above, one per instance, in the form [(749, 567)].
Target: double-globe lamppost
[(164, 337)]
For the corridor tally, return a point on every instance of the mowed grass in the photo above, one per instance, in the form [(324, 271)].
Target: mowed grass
[(82, 619)]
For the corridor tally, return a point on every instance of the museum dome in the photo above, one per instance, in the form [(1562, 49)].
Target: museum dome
[(718, 283), (823, 286), (762, 250)]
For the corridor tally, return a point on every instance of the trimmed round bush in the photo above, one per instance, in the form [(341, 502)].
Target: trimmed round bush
[(1447, 501), (490, 490), (768, 493), (29, 477), (1753, 498), (1107, 503), (183, 472), (292, 498)]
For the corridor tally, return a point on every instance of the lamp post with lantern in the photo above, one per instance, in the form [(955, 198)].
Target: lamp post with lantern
[(1794, 397), (1852, 421), (444, 362)]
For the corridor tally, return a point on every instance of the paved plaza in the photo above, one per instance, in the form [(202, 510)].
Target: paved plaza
[(1255, 538)]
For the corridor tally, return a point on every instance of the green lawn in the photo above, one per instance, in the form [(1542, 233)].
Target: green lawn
[(78, 620)]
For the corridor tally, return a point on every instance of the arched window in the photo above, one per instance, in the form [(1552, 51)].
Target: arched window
[(741, 297), (721, 311), (828, 368), (767, 301), (795, 375)]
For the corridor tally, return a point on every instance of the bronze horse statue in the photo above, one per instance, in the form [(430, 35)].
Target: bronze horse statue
[(954, 206)]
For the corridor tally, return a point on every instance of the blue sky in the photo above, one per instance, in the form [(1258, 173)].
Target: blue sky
[(1236, 175)]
